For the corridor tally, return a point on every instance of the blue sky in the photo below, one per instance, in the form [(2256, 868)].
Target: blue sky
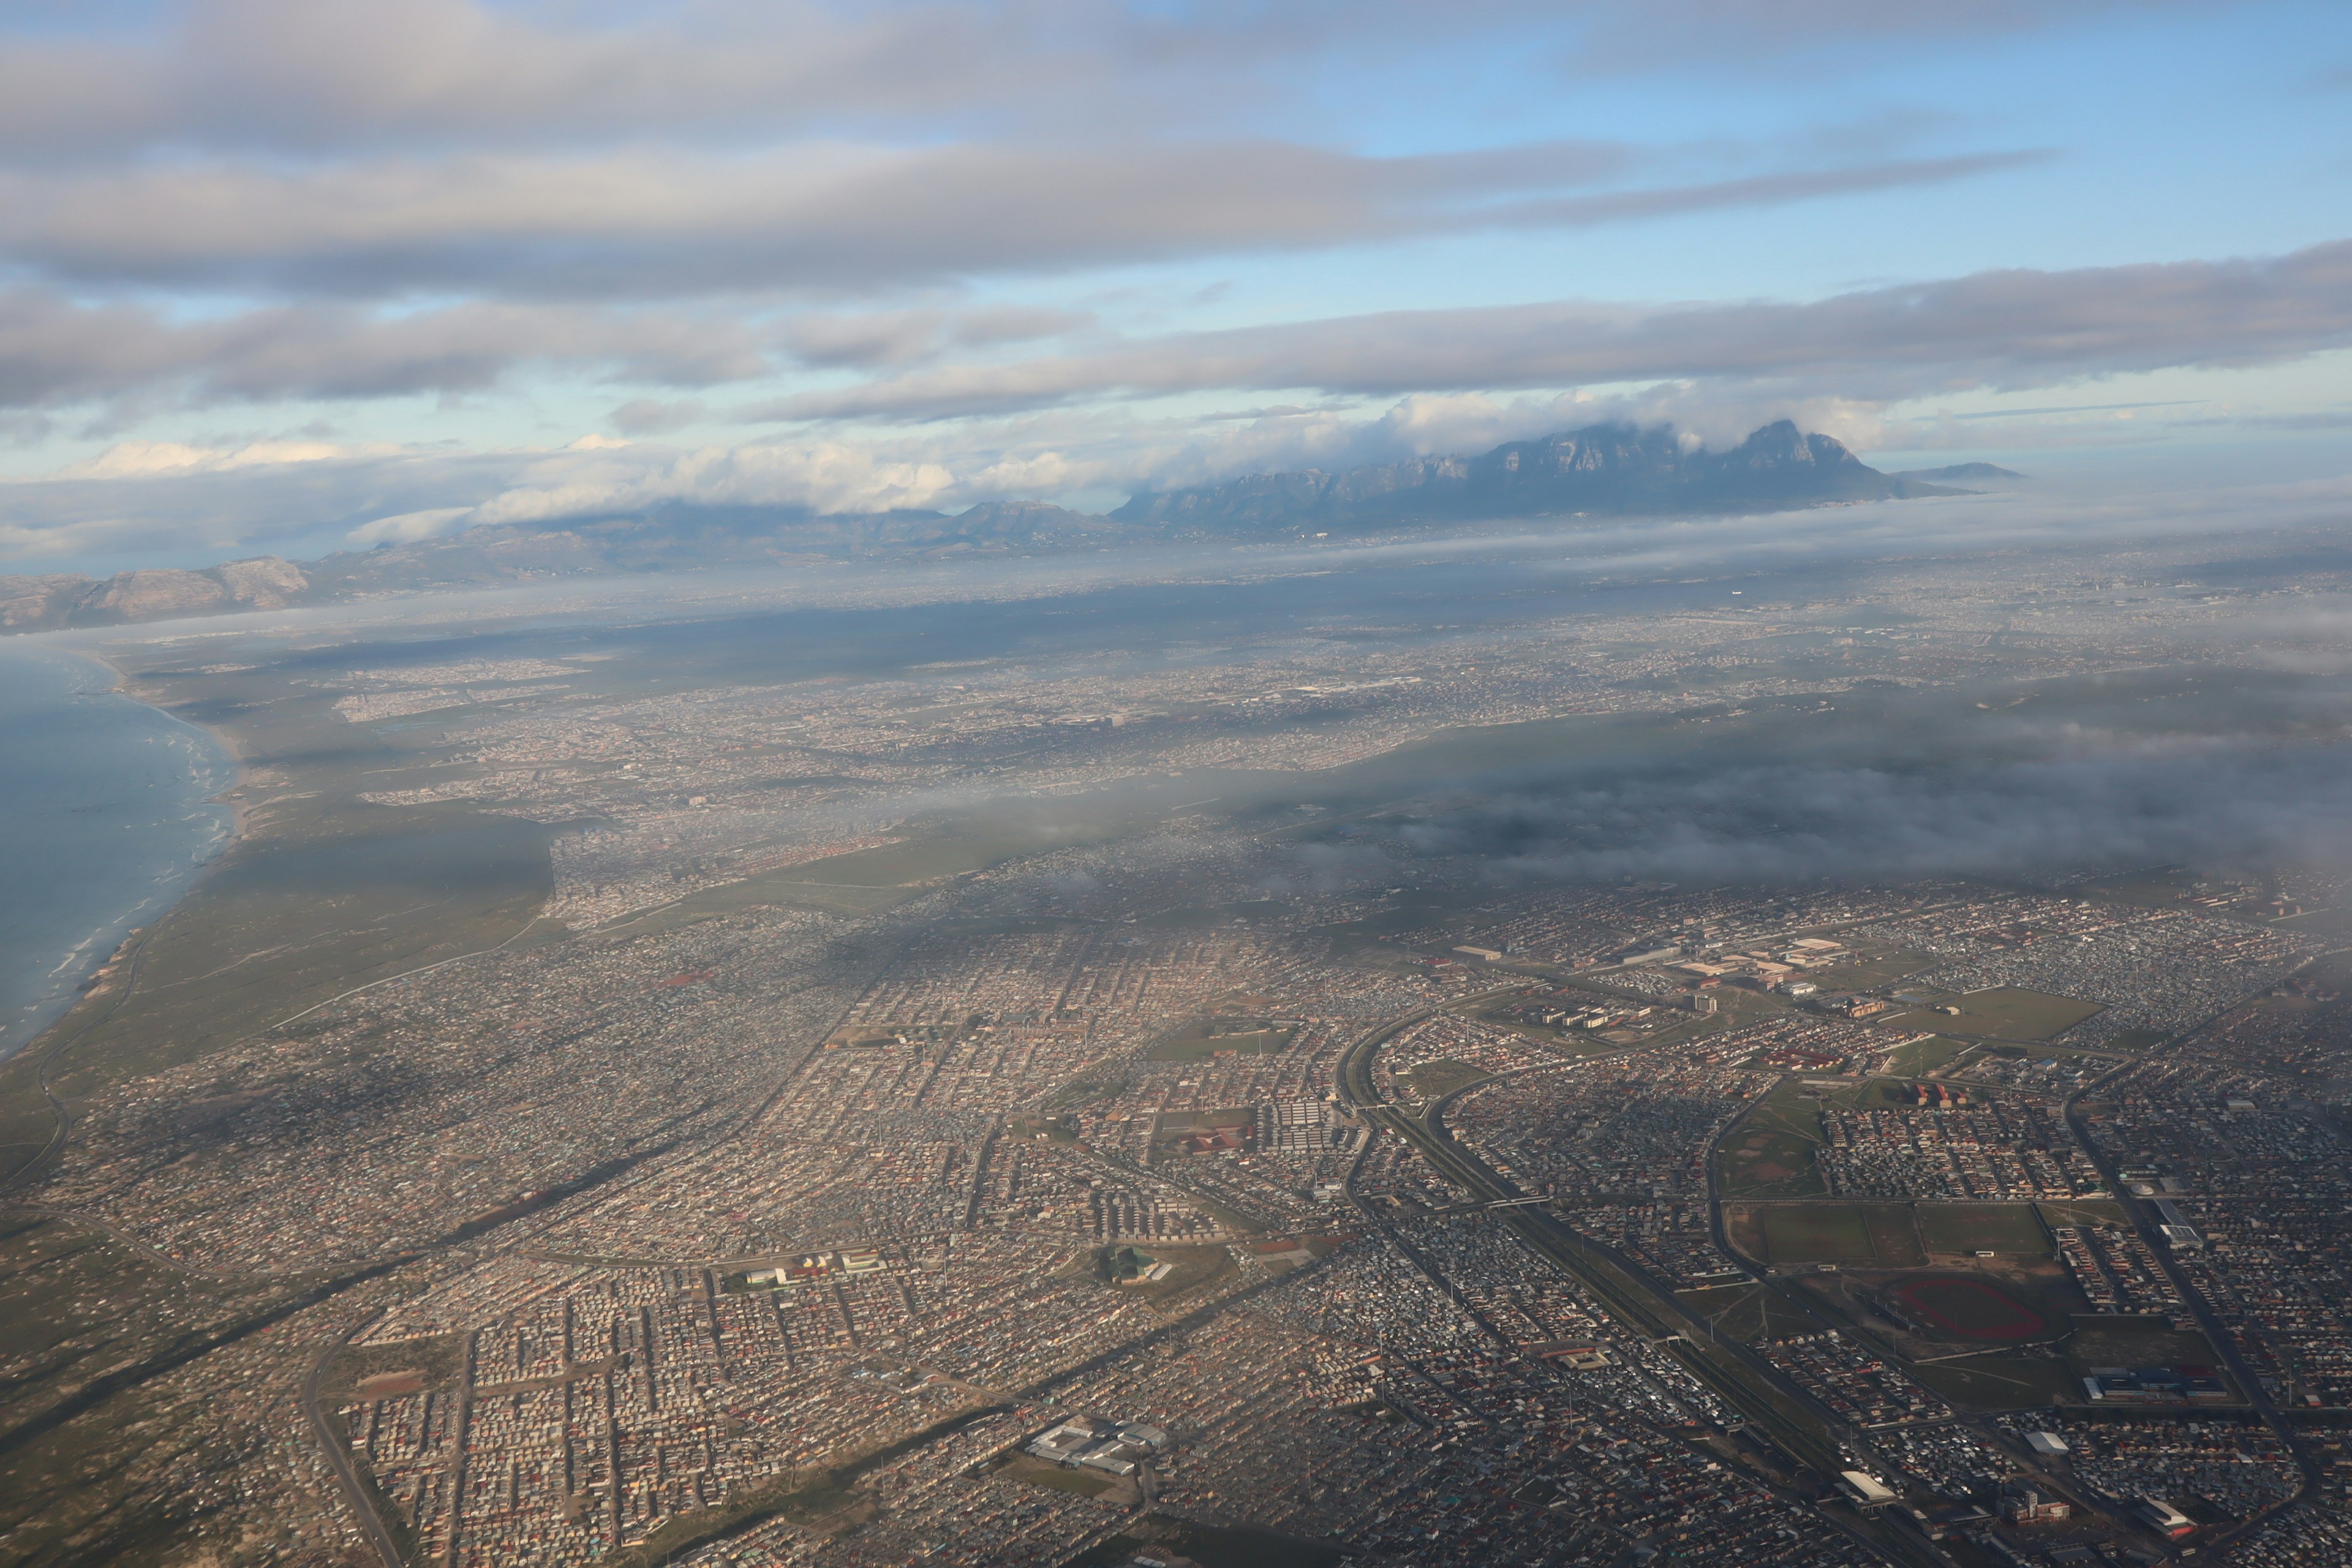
[(291, 277)]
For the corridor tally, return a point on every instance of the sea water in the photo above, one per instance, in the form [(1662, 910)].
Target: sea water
[(106, 816)]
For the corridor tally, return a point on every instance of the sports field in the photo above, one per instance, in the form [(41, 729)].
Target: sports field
[(2011, 1230), (1857, 1236)]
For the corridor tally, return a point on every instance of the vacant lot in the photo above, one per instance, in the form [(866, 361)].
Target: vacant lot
[(1969, 1308), (1772, 1154), (1869, 973), (1433, 1081), (1752, 1313), (2140, 1341), (1921, 1057), (2003, 1013), (2000, 1381), (2013, 1230), (1200, 1041), (1211, 1545)]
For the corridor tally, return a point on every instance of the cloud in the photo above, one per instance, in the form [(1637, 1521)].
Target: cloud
[(149, 459), (2015, 328), (651, 416), (54, 349), (2215, 802), (408, 527), (303, 77), (832, 214)]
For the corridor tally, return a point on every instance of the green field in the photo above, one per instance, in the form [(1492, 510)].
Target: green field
[(1817, 1233), (2079, 1214), (1895, 1235), (2002, 1013), (1853, 1236), (2011, 1230)]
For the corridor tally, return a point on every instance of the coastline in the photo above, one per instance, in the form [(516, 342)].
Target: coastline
[(87, 971)]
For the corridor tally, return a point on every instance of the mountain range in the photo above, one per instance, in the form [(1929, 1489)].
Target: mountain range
[(1604, 470)]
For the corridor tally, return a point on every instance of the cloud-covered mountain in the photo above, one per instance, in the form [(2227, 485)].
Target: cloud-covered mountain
[(1601, 469), (1605, 470)]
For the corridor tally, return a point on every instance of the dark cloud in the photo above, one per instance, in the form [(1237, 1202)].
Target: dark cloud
[(2015, 328)]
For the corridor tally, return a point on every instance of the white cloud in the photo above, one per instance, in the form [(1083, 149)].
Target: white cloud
[(408, 527)]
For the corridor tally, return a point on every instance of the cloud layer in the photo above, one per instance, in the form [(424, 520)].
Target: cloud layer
[(2209, 804), (962, 249), (2007, 329)]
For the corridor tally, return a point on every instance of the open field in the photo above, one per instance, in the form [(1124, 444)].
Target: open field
[(1752, 1313), (1202, 1040), (2000, 1381), (1435, 1080), (1038, 1472), (1772, 1153), (1869, 973), (1860, 1236), (2011, 1230), (2002, 1013), (1969, 1308), (96, 1338), (2140, 1341), (1922, 1057), (1210, 1546)]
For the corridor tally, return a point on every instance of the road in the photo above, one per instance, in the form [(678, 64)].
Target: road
[(2145, 1223), (1743, 1383), (339, 1453)]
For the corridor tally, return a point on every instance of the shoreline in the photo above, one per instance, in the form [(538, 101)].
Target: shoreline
[(93, 977)]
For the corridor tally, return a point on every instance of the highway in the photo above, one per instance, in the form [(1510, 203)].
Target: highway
[(339, 1453)]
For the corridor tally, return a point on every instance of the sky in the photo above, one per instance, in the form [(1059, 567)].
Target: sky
[(294, 276)]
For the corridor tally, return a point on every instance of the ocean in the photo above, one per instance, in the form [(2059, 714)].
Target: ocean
[(105, 816)]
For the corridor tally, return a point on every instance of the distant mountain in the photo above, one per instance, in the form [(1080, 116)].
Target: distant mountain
[(35, 603), (1600, 471), (679, 539), (1992, 475), (1606, 470)]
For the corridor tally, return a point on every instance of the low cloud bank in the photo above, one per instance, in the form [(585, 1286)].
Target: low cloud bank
[(2211, 806)]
